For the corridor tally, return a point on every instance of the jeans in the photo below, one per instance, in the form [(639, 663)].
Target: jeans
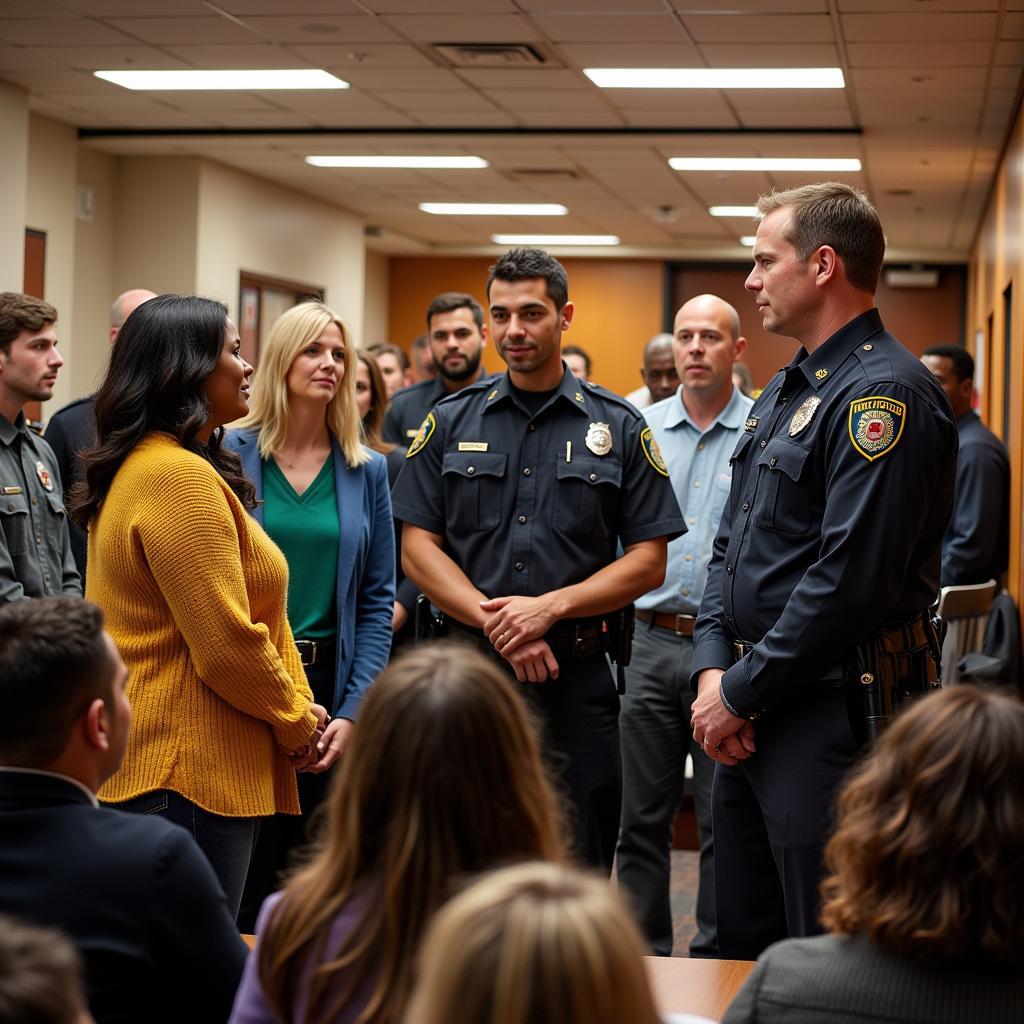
[(227, 842)]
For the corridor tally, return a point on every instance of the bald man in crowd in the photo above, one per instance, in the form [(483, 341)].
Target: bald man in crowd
[(658, 373), (70, 430)]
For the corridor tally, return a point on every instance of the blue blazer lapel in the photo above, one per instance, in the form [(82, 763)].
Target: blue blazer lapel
[(349, 485), (252, 465)]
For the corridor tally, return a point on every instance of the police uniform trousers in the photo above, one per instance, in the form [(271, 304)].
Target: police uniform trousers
[(656, 737), (578, 717), (772, 814)]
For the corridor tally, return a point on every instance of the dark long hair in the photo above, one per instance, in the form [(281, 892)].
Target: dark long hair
[(158, 366)]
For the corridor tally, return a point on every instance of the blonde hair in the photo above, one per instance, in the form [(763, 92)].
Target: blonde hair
[(533, 944), (443, 779), (269, 411)]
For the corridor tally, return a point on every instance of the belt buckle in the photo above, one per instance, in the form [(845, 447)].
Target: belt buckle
[(307, 646), (578, 638), (677, 629), (739, 650)]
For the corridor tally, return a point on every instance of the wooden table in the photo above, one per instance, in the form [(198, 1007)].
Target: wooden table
[(701, 987)]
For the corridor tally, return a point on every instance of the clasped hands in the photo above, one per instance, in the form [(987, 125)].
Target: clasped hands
[(515, 626), (724, 737), (327, 744)]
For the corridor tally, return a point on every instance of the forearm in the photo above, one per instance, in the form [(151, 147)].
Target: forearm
[(437, 575)]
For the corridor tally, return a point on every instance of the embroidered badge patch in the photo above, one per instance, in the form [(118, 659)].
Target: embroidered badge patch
[(876, 425), (44, 476), (652, 451), (422, 436)]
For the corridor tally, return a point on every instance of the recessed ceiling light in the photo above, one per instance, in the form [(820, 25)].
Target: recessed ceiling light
[(770, 163), (197, 79), (748, 240), (496, 209), (716, 78), (732, 211), (555, 239), (449, 162)]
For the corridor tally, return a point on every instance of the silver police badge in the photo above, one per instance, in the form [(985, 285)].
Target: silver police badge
[(804, 415), (599, 438)]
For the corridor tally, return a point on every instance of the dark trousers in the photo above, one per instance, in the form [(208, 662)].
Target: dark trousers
[(772, 814), (656, 737), (579, 717), (281, 838)]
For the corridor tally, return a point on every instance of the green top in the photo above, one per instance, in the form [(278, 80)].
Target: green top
[(306, 528)]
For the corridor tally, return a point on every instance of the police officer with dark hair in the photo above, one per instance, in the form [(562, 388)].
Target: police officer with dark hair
[(516, 495), (815, 615)]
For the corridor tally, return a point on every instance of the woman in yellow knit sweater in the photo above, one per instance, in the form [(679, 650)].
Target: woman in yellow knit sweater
[(193, 589)]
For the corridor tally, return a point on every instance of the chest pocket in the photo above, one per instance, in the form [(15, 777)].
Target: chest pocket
[(473, 490), (782, 502), (587, 497), (14, 522)]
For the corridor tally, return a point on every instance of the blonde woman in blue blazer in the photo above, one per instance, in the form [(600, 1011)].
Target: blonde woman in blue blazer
[(324, 499)]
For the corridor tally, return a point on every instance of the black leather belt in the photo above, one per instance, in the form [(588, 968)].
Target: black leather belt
[(571, 640), (835, 676), (313, 652)]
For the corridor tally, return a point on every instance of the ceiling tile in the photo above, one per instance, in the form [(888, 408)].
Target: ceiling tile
[(60, 32), (100, 58), (918, 78), (439, 6), (760, 29), (27, 58), (464, 100), (894, 55), (930, 26), (522, 78), (243, 55), (561, 6), (470, 28), (595, 118), (1011, 52), (527, 99), (40, 9), (637, 55), (914, 6), (773, 7), (43, 82), (469, 119), (295, 7), (138, 8), (428, 79), (164, 31), (779, 55), (610, 28), (362, 55), (320, 29)]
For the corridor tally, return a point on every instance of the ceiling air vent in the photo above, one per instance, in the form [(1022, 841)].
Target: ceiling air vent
[(545, 173), (489, 55)]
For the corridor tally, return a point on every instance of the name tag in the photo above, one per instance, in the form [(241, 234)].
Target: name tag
[(11, 490), (472, 446), (751, 425)]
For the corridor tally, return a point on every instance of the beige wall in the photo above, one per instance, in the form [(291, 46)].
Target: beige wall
[(245, 223), (376, 296), (50, 207), (13, 176)]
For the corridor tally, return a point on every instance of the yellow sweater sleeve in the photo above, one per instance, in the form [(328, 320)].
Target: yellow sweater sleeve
[(190, 540)]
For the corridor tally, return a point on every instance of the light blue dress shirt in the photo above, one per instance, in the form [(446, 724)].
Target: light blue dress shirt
[(698, 466)]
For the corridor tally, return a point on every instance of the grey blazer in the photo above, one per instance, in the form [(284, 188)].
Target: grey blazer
[(847, 979)]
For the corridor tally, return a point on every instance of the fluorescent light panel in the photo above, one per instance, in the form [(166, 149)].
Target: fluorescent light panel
[(496, 209), (732, 211), (407, 162), (239, 80), (748, 240), (769, 163), (716, 78), (555, 239)]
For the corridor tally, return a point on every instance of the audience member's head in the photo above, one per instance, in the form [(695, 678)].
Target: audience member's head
[(40, 976), (578, 361), (743, 379), (29, 359), (533, 944), (124, 305), (421, 363), (659, 370), (308, 360), (394, 366), (928, 852), (707, 344), (528, 265), (456, 335), (62, 690), (952, 366), (177, 368), (371, 401), (443, 779)]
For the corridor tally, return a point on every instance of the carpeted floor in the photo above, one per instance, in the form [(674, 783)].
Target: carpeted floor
[(684, 899)]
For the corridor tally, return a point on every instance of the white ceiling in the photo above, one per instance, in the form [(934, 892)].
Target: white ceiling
[(932, 86)]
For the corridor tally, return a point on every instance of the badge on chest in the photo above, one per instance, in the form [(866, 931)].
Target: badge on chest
[(803, 416), (599, 438)]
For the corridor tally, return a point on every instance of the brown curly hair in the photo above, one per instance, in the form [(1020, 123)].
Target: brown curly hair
[(928, 853)]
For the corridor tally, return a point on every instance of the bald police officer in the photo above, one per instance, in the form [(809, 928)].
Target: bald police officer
[(827, 553), (516, 495)]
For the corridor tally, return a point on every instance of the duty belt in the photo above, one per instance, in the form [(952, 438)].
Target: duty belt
[(569, 640)]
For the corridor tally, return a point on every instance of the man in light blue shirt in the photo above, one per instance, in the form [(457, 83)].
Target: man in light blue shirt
[(697, 429)]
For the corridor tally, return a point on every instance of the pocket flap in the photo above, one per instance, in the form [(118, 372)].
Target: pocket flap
[(473, 464), (591, 471), (785, 456), (741, 448)]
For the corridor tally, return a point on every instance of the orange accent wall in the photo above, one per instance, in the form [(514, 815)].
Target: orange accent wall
[(997, 264), (618, 307)]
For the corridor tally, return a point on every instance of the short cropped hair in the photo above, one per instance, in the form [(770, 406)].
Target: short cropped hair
[(20, 312), (962, 360), (386, 346), (575, 350), (526, 264), (40, 975), (447, 302), (831, 213), (54, 662), (927, 854)]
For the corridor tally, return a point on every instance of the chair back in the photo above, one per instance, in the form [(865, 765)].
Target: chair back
[(964, 611)]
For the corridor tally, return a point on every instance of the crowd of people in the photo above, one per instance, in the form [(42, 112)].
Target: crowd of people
[(374, 668)]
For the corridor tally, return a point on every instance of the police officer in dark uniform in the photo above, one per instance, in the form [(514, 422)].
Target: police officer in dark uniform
[(516, 494), (456, 336), (824, 566)]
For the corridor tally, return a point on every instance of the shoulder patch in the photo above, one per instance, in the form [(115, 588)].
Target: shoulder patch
[(652, 451), (876, 425), (423, 435)]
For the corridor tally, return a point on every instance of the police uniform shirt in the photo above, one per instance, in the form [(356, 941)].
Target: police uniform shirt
[(842, 489), (409, 408), (69, 432), (528, 504), (35, 546)]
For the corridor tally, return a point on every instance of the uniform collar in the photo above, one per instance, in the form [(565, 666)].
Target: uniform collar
[(9, 431), (731, 417), (819, 366), (570, 392)]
